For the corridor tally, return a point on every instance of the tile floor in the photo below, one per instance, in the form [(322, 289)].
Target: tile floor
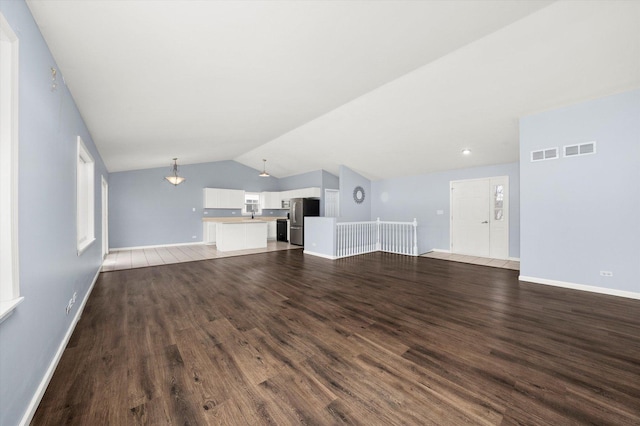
[(485, 261), (140, 258)]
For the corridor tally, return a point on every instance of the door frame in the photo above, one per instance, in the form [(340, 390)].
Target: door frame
[(328, 191), (104, 185), (506, 212)]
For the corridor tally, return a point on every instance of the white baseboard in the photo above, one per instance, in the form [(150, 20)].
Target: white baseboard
[(156, 246), (514, 259), (37, 397), (326, 256), (583, 287)]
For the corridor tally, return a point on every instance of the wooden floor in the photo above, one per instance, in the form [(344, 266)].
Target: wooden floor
[(285, 338)]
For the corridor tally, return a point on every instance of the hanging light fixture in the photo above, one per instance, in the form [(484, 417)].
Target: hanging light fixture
[(264, 169), (174, 179)]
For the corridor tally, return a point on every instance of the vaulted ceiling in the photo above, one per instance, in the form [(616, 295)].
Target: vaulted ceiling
[(388, 88)]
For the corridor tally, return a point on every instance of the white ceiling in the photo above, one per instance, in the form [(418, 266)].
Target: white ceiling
[(388, 88)]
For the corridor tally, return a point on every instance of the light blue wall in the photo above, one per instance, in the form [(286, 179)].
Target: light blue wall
[(581, 215), (330, 181), (319, 235), (144, 209), (420, 197), (50, 269), (350, 211), (304, 180)]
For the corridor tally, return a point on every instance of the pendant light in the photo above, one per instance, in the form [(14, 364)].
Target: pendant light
[(174, 179), (264, 169)]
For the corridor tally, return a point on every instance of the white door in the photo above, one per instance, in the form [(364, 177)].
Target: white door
[(479, 217), (105, 218), (331, 203)]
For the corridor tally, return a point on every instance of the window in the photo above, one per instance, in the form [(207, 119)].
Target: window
[(85, 197), (252, 204), (9, 266)]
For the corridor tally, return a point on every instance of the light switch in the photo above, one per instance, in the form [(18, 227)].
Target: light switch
[(439, 212), (194, 209)]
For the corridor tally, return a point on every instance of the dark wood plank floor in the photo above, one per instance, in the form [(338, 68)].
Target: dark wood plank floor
[(283, 338)]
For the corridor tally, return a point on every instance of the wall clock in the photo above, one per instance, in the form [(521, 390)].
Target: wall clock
[(358, 194)]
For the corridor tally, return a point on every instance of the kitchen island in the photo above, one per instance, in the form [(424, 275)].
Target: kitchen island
[(241, 235)]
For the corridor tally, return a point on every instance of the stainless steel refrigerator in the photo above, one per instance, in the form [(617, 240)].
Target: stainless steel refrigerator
[(301, 207)]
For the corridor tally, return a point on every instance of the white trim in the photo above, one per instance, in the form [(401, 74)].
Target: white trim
[(85, 197), (37, 397), (583, 287), (439, 251), (104, 195), (335, 201), (260, 203), (506, 212), (325, 256), (514, 259), (155, 246), (7, 307), (9, 146)]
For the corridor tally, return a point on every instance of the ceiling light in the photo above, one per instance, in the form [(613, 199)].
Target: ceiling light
[(466, 151), (264, 169), (174, 179)]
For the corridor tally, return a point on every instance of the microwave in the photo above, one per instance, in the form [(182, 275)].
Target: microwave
[(286, 204)]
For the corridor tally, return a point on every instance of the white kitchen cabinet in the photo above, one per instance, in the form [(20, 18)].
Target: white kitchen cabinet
[(271, 200), (209, 232), (219, 198), (247, 234), (297, 193), (285, 195), (210, 198), (272, 230), (313, 192)]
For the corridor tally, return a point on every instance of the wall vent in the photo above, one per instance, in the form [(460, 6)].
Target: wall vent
[(544, 154), (580, 149)]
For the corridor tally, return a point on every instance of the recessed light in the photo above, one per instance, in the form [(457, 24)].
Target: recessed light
[(466, 151)]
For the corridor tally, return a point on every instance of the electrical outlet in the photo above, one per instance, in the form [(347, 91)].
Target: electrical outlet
[(606, 273), (206, 212), (194, 236)]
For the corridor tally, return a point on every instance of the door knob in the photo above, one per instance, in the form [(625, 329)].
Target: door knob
[(486, 221)]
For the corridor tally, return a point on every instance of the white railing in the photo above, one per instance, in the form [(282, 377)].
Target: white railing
[(353, 238)]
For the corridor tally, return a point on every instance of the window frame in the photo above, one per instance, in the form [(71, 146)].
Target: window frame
[(245, 204), (85, 198), (9, 250)]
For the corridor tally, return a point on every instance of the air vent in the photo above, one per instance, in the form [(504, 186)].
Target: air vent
[(544, 154), (580, 149)]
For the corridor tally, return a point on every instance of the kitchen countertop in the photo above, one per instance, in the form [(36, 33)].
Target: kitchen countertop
[(242, 222), (240, 219)]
